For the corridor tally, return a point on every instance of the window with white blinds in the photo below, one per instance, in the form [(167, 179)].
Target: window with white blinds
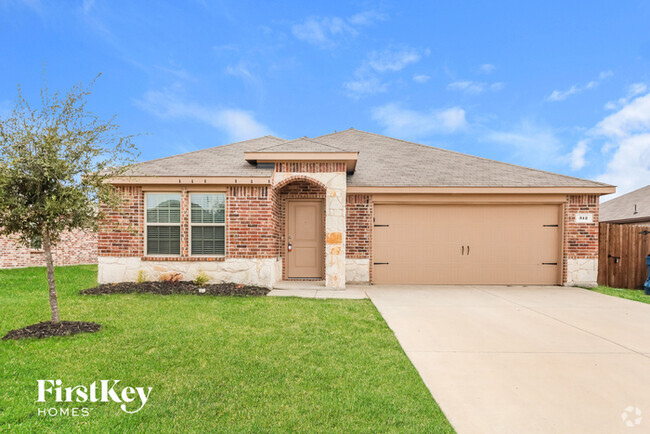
[(208, 224), (163, 220)]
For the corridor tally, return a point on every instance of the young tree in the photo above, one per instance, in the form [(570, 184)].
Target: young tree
[(54, 161)]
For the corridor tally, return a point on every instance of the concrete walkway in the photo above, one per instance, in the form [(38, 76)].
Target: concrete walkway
[(526, 359), (316, 289)]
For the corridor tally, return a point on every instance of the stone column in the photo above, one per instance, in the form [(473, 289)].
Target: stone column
[(335, 231)]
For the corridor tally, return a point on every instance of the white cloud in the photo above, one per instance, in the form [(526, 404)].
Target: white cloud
[(577, 155), (561, 95), (421, 78), (367, 79), (402, 122), (486, 68), (634, 90), (393, 59), (631, 119), (467, 86), (325, 31), (366, 18), (529, 143), (364, 86), (626, 143), (473, 87), (629, 167), (242, 71), (237, 124)]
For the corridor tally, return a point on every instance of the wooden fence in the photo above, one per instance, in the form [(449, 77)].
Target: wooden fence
[(622, 255)]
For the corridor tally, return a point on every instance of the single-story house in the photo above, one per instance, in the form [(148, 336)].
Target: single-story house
[(350, 206), (632, 208)]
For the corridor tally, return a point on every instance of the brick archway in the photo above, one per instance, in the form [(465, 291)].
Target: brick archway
[(292, 189), (298, 178)]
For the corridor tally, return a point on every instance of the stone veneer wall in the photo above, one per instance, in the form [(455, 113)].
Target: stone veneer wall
[(75, 247), (580, 242), (358, 242)]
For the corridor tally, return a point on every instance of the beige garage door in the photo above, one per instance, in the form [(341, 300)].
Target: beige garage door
[(467, 244)]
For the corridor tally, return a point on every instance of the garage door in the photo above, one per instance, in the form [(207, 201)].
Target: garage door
[(466, 244)]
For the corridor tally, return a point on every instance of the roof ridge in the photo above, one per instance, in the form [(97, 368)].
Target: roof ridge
[(471, 156), (302, 138), (207, 149)]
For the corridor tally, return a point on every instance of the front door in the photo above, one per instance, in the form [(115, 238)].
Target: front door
[(305, 236)]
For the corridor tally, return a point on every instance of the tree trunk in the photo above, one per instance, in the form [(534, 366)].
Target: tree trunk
[(47, 248)]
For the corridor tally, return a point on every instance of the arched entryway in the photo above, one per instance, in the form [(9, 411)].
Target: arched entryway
[(299, 207)]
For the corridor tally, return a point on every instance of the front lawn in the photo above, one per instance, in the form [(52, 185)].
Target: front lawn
[(215, 363), (630, 294)]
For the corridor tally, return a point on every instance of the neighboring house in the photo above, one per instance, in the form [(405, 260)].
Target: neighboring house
[(632, 208), (350, 206), (76, 247)]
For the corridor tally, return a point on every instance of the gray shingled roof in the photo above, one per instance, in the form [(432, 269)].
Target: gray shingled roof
[(224, 160), (622, 207), (303, 144), (383, 162)]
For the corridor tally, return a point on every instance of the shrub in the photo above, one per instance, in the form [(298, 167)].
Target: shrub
[(201, 279), (142, 277)]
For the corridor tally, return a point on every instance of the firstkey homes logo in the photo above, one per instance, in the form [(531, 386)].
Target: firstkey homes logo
[(131, 399)]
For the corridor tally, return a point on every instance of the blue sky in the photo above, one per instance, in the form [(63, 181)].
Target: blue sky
[(560, 86)]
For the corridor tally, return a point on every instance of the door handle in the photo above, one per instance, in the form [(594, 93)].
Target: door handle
[(462, 252), (467, 250)]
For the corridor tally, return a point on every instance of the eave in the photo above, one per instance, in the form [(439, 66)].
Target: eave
[(349, 158), (484, 190)]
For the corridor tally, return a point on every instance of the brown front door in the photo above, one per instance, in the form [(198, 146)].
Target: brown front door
[(305, 234)]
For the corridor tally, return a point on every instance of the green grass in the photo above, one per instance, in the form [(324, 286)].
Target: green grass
[(215, 364), (630, 294)]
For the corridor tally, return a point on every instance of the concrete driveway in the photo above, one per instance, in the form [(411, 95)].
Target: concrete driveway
[(526, 359)]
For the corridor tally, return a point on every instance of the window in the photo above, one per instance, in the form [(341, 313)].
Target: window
[(163, 217), (36, 243), (208, 224)]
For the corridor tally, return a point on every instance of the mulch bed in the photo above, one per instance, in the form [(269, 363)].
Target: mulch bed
[(48, 329), (183, 287)]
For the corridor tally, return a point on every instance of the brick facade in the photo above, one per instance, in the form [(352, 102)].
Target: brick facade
[(358, 226), (250, 230), (580, 239), (311, 167), (75, 247), (255, 225), (121, 233)]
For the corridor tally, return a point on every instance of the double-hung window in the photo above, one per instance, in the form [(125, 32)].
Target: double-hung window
[(163, 218), (208, 224)]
